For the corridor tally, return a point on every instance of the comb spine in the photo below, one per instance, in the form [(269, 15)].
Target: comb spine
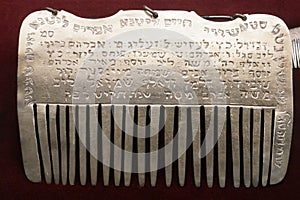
[(284, 111)]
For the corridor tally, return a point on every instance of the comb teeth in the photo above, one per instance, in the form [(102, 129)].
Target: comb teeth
[(250, 130), (296, 50), (295, 37)]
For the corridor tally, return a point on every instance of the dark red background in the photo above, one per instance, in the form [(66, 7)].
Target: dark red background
[(13, 183)]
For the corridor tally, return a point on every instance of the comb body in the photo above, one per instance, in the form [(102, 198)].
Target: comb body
[(135, 93)]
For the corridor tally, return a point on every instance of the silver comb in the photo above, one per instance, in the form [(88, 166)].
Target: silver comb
[(132, 92), (295, 37)]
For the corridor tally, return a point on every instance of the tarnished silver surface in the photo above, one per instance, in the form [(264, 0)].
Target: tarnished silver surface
[(176, 70)]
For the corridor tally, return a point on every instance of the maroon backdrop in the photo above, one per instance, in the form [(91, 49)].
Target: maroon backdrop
[(13, 183)]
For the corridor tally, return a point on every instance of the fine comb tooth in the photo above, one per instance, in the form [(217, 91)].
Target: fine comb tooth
[(246, 147), (63, 144), (142, 111), (169, 129), (43, 139), (209, 143), (82, 114), (266, 145), (234, 118), (118, 113), (93, 143), (297, 49), (54, 142), (295, 53), (182, 139), (256, 146), (154, 133), (195, 116), (72, 143), (222, 145), (128, 143), (106, 132)]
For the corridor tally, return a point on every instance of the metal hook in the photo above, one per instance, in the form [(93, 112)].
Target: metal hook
[(217, 17), (238, 15), (52, 10), (225, 17), (150, 12)]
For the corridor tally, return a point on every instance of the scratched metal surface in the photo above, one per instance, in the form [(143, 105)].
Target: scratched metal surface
[(100, 60)]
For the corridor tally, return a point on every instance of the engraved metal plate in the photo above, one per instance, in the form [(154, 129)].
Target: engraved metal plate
[(100, 83)]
